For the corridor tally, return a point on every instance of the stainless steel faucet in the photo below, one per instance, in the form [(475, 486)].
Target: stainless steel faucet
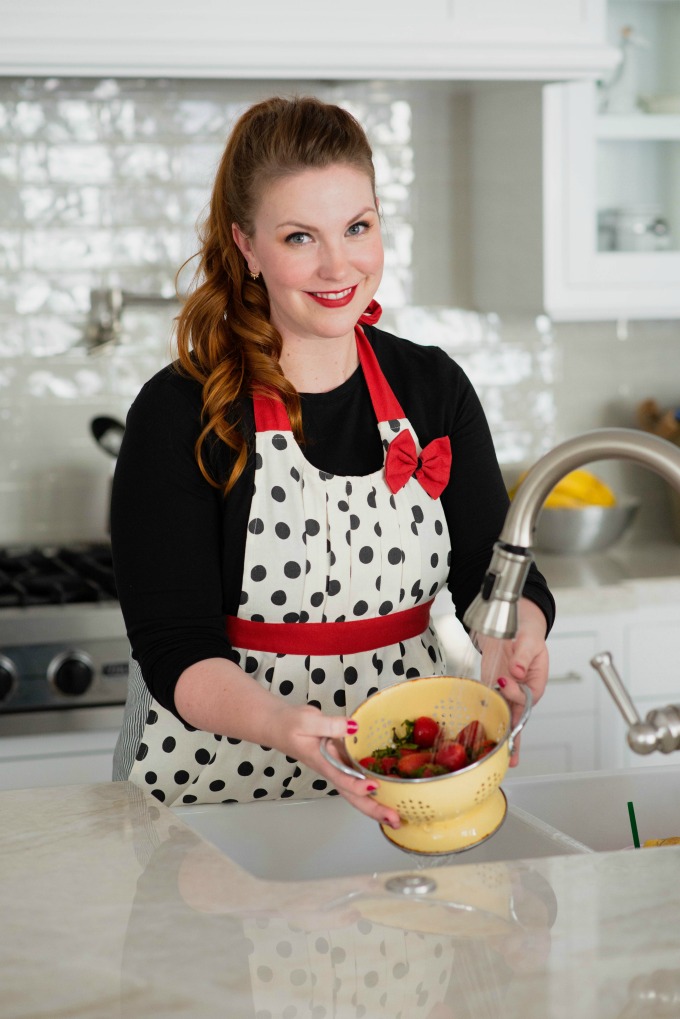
[(494, 611), (105, 322)]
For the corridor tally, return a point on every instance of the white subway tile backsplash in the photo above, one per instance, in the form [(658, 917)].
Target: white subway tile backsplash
[(102, 183)]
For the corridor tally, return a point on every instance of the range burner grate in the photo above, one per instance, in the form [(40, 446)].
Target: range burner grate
[(61, 576)]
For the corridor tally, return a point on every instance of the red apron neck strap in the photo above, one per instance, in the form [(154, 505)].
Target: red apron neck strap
[(270, 414)]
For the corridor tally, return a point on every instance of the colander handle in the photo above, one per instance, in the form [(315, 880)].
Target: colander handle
[(344, 768), (528, 705)]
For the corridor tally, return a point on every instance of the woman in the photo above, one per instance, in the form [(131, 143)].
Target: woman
[(292, 494)]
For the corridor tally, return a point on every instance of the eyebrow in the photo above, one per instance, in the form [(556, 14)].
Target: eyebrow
[(302, 226)]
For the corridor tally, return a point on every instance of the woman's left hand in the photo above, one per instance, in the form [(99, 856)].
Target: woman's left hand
[(522, 661)]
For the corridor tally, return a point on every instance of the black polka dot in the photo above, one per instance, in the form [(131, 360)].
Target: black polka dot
[(258, 573), (414, 528), (282, 530), (366, 554), (307, 662), (152, 717), (385, 608), (373, 689), (245, 768), (141, 752), (202, 756), (286, 794), (233, 741), (438, 527), (257, 617), (312, 527), (361, 608), (343, 506), (258, 461), (433, 590), (377, 664), (432, 653), (189, 798), (370, 499), (291, 617), (434, 559), (303, 617), (269, 674), (319, 784), (398, 668), (259, 794), (243, 598), (325, 476), (251, 664), (393, 556), (295, 474), (314, 704), (217, 786), (354, 521), (339, 698), (351, 675), (417, 514), (279, 441), (269, 772), (181, 777), (412, 673), (159, 794), (394, 424), (378, 530), (292, 570), (278, 494), (318, 676), (279, 598), (286, 688), (256, 526), (151, 777), (316, 599), (333, 587)]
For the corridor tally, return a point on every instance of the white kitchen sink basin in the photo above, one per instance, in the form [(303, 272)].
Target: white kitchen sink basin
[(317, 839), (592, 807)]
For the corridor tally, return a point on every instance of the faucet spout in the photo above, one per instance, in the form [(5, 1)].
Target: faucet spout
[(493, 611)]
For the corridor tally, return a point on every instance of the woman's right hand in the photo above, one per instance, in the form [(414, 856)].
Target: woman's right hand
[(300, 730)]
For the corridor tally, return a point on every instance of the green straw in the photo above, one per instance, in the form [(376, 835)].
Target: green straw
[(633, 825)]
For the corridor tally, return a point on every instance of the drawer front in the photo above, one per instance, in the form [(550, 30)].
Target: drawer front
[(572, 682)]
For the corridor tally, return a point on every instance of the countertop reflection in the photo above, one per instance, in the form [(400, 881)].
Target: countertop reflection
[(112, 906)]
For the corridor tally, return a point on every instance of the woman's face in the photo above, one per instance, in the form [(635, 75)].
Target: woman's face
[(317, 243)]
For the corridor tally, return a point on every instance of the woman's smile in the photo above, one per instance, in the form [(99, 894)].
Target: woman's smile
[(334, 299)]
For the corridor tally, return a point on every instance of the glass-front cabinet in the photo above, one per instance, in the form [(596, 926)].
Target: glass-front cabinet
[(611, 198), (575, 186)]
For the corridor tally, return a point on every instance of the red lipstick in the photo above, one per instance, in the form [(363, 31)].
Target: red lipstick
[(333, 302)]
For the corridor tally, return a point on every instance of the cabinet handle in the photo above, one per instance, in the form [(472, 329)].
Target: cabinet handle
[(568, 677)]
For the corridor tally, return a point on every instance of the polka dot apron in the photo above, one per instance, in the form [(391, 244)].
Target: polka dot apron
[(360, 553)]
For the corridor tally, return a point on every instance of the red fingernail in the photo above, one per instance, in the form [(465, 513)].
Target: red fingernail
[(372, 788), (502, 682), (352, 726)]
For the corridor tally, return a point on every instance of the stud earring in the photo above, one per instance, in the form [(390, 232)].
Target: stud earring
[(254, 275)]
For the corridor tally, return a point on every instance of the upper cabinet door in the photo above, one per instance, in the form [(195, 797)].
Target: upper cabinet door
[(434, 39)]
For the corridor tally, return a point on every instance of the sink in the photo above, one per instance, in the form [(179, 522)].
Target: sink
[(592, 807), (324, 838)]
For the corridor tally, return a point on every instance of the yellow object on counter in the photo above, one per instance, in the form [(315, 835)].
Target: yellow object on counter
[(674, 841), (577, 489)]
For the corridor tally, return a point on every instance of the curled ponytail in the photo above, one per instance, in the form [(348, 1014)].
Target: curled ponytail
[(225, 339)]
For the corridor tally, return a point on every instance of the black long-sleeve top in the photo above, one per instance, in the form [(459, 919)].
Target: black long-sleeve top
[(179, 544)]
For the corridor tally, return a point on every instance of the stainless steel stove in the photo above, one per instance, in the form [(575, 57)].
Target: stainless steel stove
[(63, 648)]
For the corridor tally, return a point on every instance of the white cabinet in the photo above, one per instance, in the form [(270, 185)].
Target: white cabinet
[(563, 733), (438, 39), (598, 225), (54, 759)]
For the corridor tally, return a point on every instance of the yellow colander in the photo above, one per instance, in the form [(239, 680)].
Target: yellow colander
[(446, 813)]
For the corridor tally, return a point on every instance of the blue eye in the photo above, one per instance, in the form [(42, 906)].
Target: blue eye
[(297, 238), (358, 228)]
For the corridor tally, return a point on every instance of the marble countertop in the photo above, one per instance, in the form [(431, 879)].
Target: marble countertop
[(112, 906)]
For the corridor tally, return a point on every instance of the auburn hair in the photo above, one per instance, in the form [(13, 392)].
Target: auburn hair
[(225, 339)]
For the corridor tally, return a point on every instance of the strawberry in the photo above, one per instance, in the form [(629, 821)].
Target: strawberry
[(425, 731)]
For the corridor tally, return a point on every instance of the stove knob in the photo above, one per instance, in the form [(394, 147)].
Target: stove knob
[(8, 677), (71, 672)]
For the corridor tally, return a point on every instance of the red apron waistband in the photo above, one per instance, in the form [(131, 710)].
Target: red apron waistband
[(329, 638)]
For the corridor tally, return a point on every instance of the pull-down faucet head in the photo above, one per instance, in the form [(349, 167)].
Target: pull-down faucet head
[(494, 610)]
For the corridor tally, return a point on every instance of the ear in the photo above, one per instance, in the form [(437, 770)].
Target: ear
[(242, 242)]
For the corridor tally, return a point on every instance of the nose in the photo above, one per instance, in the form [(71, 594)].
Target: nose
[(333, 262)]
